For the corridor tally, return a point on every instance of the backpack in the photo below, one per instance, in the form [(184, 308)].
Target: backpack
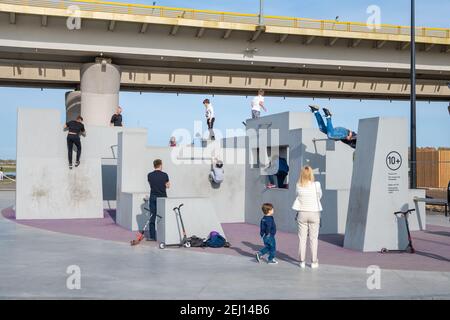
[(196, 241), (216, 240)]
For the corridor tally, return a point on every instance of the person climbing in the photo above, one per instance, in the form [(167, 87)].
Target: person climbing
[(75, 127), (344, 135), (159, 183), (210, 118), (258, 104), (116, 119), (217, 173)]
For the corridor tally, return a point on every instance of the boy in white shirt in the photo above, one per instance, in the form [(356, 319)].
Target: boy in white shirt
[(210, 117), (258, 104)]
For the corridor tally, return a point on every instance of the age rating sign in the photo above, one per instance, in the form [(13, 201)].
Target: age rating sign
[(393, 162)]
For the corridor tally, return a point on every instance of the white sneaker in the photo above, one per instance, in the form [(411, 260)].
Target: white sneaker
[(315, 265), (302, 265)]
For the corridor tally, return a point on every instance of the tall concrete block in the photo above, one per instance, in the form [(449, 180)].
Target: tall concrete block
[(100, 86), (379, 186)]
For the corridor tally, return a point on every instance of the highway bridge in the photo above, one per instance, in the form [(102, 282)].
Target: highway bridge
[(46, 44)]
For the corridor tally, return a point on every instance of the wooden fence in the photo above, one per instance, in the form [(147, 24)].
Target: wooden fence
[(433, 167)]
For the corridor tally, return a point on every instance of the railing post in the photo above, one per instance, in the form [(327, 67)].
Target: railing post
[(348, 27)]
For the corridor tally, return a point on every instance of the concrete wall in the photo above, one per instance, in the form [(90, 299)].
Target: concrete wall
[(198, 216), (380, 187), (189, 178), (331, 160), (46, 188)]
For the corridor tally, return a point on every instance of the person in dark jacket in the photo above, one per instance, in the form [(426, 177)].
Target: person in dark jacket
[(159, 183), (116, 119), (75, 128), (268, 229)]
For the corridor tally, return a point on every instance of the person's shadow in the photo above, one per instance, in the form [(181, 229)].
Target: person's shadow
[(254, 248)]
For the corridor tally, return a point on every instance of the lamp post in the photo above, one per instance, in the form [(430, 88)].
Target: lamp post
[(413, 182), (261, 12)]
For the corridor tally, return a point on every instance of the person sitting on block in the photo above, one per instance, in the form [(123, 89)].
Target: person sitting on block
[(217, 173), (344, 135)]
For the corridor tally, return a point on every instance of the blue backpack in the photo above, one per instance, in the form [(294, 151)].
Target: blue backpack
[(216, 240)]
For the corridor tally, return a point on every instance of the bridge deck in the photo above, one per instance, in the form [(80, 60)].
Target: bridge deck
[(138, 13)]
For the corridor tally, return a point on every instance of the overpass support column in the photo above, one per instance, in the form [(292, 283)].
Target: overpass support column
[(100, 86), (73, 105)]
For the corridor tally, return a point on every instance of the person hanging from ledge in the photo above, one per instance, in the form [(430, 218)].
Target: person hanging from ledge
[(258, 104), (116, 119), (75, 128), (210, 118), (217, 173), (159, 183), (344, 135)]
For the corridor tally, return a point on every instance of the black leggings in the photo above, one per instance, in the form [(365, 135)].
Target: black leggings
[(210, 123), (73, 139)]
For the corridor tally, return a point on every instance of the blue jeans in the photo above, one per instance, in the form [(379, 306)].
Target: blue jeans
[(153, 211), (270, 247), (333, 133)]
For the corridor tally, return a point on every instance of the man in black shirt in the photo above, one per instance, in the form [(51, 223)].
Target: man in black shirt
[(159, 182), (116, 119), (75, 127)]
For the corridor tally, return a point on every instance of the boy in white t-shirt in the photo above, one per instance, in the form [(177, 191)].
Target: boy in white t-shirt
[(210, 118), (258, 104)]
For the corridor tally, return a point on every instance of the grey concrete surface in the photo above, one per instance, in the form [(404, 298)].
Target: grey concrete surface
[(34, 264), (380, 187)]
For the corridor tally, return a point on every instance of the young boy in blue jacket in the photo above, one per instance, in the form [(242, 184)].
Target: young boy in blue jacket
[(267, 232)]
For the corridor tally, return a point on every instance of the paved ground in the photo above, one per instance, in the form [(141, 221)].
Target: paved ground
[(34, 263)]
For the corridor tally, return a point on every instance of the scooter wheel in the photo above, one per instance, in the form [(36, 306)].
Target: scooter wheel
[(187, 245), (162, 245), (384, 250)]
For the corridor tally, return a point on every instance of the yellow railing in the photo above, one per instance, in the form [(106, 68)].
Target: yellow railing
[(218, 16)]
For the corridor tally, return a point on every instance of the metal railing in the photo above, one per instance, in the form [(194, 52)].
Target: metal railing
[(234, 17)]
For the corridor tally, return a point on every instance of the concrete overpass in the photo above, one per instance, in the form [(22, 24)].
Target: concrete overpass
[(185, 50)]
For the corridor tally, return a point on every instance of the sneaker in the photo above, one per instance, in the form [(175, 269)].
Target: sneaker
[(315, 265), (273, 261), (271, 186), (77, 164), (258, 257), (326, 112), (314, 108), (70, 166), (302, 265)]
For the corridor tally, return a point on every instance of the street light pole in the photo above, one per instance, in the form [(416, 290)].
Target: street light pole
[(413, 182), (261, 12)]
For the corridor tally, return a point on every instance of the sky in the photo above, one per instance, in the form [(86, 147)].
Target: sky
[(162, 113)]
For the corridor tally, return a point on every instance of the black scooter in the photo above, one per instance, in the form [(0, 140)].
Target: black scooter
[(184, 241), (409, 248)]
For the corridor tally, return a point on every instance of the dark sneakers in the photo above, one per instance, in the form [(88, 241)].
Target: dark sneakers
[(77, 163), (258, 257), (314, 108), (326, 112)]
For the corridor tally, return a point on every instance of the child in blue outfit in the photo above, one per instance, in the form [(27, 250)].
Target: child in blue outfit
[(267, 232)]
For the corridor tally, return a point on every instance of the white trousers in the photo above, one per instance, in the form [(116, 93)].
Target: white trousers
[(308, 227)]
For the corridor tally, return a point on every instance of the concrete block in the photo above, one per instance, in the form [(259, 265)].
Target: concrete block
[(379, 186), (199, 218)]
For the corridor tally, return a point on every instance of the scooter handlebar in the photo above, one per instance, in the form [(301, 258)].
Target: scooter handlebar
[(179, 207)]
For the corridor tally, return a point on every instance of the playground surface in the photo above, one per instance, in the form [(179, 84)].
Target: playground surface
[(37, 255)]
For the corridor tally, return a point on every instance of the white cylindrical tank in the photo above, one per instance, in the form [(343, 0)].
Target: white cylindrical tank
[(100, 86)]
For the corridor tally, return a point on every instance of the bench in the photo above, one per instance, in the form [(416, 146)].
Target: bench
[(436, 202)]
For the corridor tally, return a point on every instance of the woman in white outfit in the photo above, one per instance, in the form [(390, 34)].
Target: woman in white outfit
[(308, 207)]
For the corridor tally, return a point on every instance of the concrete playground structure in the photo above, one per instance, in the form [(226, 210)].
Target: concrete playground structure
[(362, 188)]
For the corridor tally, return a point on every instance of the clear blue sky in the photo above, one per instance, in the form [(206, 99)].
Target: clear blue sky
[(163, 113)]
